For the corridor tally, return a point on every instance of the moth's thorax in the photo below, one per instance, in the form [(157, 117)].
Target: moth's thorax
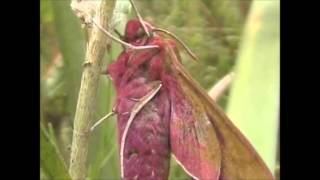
[(149, 64)]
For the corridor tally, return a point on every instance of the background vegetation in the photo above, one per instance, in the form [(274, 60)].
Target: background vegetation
[(239, 35)]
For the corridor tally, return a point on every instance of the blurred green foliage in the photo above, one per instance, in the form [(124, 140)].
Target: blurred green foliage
[(212, 29), (52, 164), (254, 98)]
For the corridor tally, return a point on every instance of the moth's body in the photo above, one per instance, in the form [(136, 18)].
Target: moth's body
[(146, 149), (178, 118)]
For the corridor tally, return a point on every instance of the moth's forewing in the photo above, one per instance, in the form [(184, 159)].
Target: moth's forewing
[(192, 138), (239, 160)]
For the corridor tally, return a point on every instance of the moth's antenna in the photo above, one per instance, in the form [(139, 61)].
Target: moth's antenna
[(140, 18), (179, 40), (122, 42)]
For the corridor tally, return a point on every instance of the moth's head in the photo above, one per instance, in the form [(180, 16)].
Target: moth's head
[(134, 30)]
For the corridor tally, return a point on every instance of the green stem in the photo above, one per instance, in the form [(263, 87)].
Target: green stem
[(88, 91)]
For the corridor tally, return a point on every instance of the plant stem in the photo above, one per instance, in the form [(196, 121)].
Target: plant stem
[(88, 91), (221, 86)]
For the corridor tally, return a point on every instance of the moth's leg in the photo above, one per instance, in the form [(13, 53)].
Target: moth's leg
[(112, 113), (140, 18), (221, 86), (136, 108), (102, 119)]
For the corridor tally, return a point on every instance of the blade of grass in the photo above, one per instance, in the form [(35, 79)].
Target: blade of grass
[(72, 46), (254, 98), (51, 160)]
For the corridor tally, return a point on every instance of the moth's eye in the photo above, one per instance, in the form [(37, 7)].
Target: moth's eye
[(140, 33)]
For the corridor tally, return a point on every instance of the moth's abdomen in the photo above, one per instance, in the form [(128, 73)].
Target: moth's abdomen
[(146, 148)]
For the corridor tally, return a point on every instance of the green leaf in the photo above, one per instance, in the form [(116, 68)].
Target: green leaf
[(45, 11), (51, 160), (254, 98), (72, 46), (176, 171)]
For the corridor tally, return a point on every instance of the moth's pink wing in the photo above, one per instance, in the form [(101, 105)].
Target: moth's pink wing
[(239, 160), (192, 137)]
